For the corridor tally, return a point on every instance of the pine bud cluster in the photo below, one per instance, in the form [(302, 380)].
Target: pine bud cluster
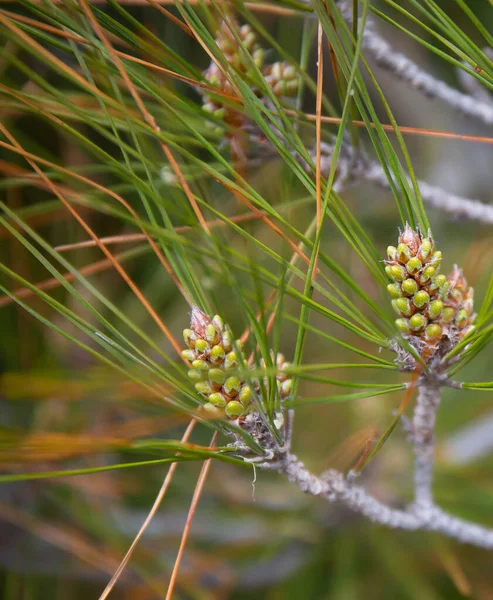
[(283, 380), (459, 304), (280, 76), (233, 53), (430, 305), (214, 368)]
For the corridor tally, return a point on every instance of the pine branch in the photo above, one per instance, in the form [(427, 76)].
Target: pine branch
[(468, 533), (437, 197), (334, 486), (400, 65), (354, 167), (423, 438)]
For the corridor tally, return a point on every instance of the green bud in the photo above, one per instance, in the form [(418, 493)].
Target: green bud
[(226, 340), (211, 334), (234, 409), (409, 286), (189, 336), (461, 318), (218, 323), (217, 354), (291, 88), (403, 325), (394, 290), (195, 374), (201, 365), (215, 81), (277, 70), (226, 46), (217, 131), (232, 386), (396, 272), (203, 387), (217, 399), (249, 40), (425, 249), (413, 265), (280, 88), (421, 298), (245, 30), (285, 388), (245, 396), (219, 114), (391, 252), (433, 332), (230, 362), (448, 314), (427, 274), (437, 257), (402, 306), (437, 282), (435, 308), (212, 410), (417, 322), (201, 346), (403, 253), (217, 376), (456, 294), (188, 354), (444, 289), (258, 57), (289, 72), (209, 107)]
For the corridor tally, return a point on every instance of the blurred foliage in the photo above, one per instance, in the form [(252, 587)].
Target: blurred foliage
[(91, 378)]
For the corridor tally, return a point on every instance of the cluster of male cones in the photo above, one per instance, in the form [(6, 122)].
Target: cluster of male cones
[(240, 48), (216, 368), (431, 306)]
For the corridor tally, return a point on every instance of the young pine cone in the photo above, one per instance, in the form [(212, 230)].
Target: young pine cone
[(231, 49), (214, 363), (459, 304), (235, 56), (430, 305), (283, 380), (210, 350), (280, 76), (234, 53)]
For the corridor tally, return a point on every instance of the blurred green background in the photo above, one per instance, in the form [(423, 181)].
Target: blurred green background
[(254, 534)]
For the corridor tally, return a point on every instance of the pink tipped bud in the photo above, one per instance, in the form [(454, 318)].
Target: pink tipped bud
[(199, 321), (411, 239)]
